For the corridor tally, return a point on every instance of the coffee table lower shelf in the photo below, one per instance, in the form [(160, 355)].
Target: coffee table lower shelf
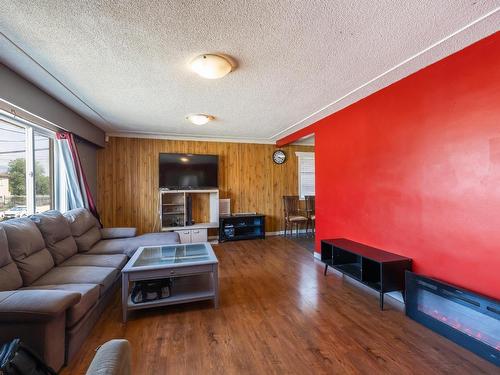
[(183, 293), (193, 270)]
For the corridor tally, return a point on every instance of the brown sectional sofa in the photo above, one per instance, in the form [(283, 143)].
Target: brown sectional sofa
[(57, 273)]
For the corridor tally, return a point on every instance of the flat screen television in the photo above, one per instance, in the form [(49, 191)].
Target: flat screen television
[(188, 171)]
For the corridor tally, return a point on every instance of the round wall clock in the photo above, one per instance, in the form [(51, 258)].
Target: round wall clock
[(279, 156)]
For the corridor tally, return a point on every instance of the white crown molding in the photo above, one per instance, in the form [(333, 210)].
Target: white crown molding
[(188, 137), (297, 126)]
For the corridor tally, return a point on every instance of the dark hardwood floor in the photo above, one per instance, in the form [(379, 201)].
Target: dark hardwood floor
[(304, 240), (278, 314)]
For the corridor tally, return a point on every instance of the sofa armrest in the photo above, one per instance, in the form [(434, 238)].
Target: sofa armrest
[(35, 305), (112, 233), (112, 358)]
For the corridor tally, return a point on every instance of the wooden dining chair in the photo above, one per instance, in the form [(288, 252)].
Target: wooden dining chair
[(311, 212), (292, 213)]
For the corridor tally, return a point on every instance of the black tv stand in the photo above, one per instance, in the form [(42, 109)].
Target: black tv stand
[(377, 269), (241, 227)]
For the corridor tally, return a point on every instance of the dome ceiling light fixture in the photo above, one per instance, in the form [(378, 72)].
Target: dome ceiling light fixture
[(199, 118), (211, 66)]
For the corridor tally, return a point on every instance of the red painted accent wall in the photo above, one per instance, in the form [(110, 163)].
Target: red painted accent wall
[(415, 168)]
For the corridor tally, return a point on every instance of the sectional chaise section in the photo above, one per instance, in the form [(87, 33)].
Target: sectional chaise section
[(57, 273)]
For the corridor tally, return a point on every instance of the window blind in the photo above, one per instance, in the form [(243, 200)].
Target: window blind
[(306, 174)]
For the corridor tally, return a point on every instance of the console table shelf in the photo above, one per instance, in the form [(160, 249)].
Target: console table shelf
[(378, 269)]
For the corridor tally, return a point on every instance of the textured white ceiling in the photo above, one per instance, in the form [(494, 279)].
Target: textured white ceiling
[(124, 64)]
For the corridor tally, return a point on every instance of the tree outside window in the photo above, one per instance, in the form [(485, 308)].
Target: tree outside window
[(22, 193), (17, 178)]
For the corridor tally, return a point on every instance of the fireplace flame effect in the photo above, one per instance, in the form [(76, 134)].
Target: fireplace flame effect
[(454, 323)]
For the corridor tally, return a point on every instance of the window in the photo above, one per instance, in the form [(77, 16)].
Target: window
[(306, 174), (26, 168), (43, 148)]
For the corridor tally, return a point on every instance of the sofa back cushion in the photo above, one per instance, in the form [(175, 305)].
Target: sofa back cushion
[(27, 248), (56, 232), (84, 228), (10, 278)]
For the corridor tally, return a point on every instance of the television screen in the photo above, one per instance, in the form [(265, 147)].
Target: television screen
[(188, 171)]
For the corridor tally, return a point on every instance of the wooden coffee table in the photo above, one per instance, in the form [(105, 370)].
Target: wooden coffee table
[(192, 268)]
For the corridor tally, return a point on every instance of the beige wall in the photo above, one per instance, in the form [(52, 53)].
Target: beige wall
[(15, 91), (19, 92), (88, 157)]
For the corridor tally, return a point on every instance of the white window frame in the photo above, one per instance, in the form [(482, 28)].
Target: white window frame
[(31, 129), (301, 157)]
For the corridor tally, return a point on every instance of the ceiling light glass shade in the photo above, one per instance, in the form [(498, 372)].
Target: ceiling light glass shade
[(211, 66), (199, 118)]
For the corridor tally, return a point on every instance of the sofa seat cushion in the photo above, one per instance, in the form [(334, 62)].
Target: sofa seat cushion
[(89, 297), (30, 306), (156, 239), (10, 278), (128, 246), (111, 233), (27, 249), (103, 276), (116, 246), (97, 260), (56, 232)]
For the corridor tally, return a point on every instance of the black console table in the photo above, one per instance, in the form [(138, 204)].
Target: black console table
[(241, 227), (378, 269)]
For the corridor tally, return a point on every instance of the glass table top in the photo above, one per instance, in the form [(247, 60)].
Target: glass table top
[(174, 254)]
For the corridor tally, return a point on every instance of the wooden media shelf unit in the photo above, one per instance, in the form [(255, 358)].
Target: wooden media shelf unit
[(190, 213)]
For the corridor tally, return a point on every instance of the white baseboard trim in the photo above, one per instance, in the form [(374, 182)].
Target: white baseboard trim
[(282, 232), (278, 233), (214, 239), (395, 298), (398, 296)]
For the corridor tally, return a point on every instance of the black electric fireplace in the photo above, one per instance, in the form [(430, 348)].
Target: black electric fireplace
[(468, 319)]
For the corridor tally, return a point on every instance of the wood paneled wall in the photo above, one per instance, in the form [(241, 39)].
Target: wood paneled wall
[(128, 179)]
